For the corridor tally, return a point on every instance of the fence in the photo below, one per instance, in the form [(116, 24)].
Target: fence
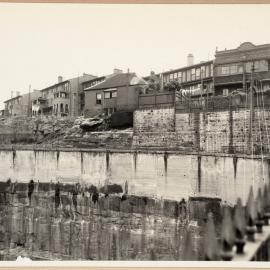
[(214, 103), (245, 232), (157, 99)]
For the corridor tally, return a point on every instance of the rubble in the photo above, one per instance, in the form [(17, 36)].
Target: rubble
[(65, 132)]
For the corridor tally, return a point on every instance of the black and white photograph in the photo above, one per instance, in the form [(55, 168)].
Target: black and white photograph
[(134, 132)]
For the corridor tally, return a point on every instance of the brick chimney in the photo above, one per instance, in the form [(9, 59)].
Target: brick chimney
[(117, 71), (60, 79), (190, 59)]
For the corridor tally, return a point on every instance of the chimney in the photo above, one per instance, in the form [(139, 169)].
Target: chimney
[(190, 59), (60, 79), (17, 93), (11, 94), (117, 71)]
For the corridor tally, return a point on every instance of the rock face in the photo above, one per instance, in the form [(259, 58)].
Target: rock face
[(63, 132), (87, 225), (90, 124)]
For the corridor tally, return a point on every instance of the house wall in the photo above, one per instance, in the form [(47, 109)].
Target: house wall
[(127, 97), (76, 88), (20, 105), (240, 56), (91, 108)]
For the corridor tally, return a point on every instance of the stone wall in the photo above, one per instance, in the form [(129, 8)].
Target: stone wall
[(86, 227), (214, 131), (154, 120)]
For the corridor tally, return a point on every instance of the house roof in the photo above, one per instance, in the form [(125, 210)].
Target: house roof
[(54, 85), (81, 79), (8, 100), (117, 80), (94, 79), (203, 63)]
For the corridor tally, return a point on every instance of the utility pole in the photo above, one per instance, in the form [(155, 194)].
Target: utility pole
[(29, 100), (251, 106), (201, 73)]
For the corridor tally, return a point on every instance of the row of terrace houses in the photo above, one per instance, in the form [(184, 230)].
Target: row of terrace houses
[(85, 95), (90, 95), (230, 71)]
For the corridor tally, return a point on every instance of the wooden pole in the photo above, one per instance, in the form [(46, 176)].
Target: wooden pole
[(29, 100), (251, 107)]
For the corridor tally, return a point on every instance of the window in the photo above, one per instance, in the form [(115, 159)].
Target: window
[(110, 94), (61, 107), (98, 98), (261, 65), (198, 73), (233, 69), (266, 86), (165, 78), (171, 77), (225, 92), (188, 75), (184, 78), (211, 70), (66, 109), (240, 68), (107, 95), (114, 94), (207, 72), (193, 74), (225, 70), (248, 66), (203, 71)]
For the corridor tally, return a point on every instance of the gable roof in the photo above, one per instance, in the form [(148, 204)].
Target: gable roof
[(117, 80), (8, 100)]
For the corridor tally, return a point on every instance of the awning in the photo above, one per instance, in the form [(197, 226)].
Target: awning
[(110, 89)]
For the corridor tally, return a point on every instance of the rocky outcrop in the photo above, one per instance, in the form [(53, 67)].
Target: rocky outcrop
[(63, 132)]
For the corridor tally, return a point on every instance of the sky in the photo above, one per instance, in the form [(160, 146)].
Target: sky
[(39, 42)]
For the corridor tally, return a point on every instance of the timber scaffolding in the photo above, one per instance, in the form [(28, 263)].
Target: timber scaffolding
[(245, 232)]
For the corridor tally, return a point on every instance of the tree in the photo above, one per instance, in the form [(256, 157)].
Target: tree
[(172, 86), (180, 94), (153, 84)]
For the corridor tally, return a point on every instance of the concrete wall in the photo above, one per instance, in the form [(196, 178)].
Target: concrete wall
[(160, 175)]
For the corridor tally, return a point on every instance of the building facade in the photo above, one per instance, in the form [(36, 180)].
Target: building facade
[(196, 80), (21, 105), (66, 98), (116, 92), (232, 68)]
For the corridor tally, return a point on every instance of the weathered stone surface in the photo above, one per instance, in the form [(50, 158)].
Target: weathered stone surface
[(105, 233), (166, 175)]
